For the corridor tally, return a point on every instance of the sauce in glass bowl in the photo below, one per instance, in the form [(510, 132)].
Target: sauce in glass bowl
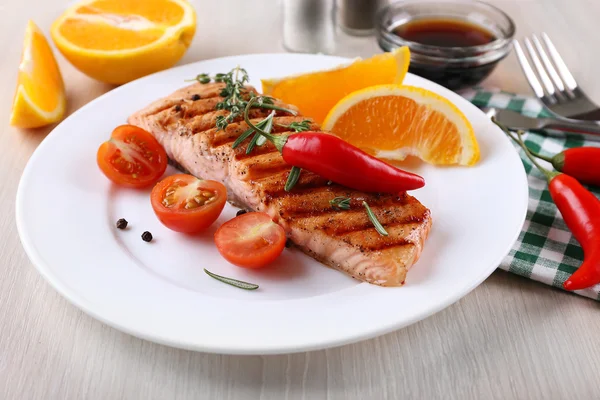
[(456, 44)]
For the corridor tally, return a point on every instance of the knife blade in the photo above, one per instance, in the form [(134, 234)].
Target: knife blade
[(588, 130)]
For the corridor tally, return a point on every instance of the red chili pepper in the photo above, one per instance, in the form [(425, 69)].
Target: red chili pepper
[(582, 163), (581, 212), (332, 158)]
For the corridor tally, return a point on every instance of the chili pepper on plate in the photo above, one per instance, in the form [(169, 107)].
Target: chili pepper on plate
[(337, 160), (581, 212)]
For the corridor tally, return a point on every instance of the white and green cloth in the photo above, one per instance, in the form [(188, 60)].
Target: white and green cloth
[(546, 251)]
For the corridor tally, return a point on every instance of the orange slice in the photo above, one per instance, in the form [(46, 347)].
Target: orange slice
[(117, 41), (40, 96), (393, 121), (315, 93)]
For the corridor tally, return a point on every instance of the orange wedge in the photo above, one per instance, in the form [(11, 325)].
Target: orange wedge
[(315, 93), (117, 41), (394, 121), (40, 96)]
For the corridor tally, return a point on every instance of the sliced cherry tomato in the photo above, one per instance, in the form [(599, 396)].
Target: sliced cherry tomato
[(251, 240), (132, 157), (187, 204)]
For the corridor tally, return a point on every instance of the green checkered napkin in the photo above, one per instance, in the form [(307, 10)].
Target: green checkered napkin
[(546, 251)]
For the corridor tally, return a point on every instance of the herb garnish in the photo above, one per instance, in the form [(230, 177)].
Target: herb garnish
[(292, 178), (247, 133), (236, 96), (340, 203), (268, 126), (232, 282), (378, 227), (302, 126), (233, 100)]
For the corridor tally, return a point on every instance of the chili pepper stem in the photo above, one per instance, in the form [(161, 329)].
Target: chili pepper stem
[(278, 141), (549, 174), (542, 157), (535, 154)]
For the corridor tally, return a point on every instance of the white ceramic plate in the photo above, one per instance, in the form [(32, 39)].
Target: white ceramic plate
[(66, 213)]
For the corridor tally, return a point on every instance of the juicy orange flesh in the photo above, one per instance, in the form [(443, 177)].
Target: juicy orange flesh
[(395, 122), (106, 36), (39, 74), (159, 11), (315, 94)]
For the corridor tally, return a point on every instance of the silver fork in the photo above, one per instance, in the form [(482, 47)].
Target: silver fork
[(554, 84)]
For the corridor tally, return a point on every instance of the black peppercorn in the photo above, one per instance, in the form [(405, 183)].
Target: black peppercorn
[(147, 236), (195, 97), (240, 212), (178, 108), (122, 223)]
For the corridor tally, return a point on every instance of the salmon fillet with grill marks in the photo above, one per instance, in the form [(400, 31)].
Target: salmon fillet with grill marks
[(342, 239)]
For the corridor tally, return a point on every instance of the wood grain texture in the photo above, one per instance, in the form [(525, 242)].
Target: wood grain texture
[(509, 339)]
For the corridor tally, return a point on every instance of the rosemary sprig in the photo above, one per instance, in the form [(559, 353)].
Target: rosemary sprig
[(340, 203), (378, 227), (232, 282), (292, 178), (302, 126), (268, 126), (278, 141)]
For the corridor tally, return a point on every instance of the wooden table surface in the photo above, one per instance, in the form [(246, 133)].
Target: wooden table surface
[(509, 338)]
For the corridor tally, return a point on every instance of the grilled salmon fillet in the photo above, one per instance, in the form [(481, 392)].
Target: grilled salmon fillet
[(184, 123)]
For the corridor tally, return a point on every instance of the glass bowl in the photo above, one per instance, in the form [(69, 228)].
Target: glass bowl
[(453, 67)]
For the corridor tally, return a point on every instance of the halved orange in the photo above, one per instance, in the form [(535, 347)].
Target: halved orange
[(315, 93), (117, 41), (394, 121), (40, 96)]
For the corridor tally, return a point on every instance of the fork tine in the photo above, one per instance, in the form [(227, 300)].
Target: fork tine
[(539, 68), (529, 74), (549, 67), (560, 64)]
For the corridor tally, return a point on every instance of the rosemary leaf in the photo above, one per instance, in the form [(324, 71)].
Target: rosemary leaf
[(247, 133), (261, 140), (243, 137), (292, 178), (268, 126), (232, 282), (340, 203), (252, 143), (378, 227)]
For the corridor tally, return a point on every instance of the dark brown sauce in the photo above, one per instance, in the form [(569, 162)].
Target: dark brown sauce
[(444, 33)]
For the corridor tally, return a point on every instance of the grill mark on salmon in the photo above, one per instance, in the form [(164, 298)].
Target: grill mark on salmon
[(343, 239)]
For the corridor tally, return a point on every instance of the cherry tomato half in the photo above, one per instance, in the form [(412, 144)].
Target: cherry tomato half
[(187, 204), (251, 240), (132, 157)]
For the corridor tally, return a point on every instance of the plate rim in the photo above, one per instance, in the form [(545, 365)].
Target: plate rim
[(72, 297)]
